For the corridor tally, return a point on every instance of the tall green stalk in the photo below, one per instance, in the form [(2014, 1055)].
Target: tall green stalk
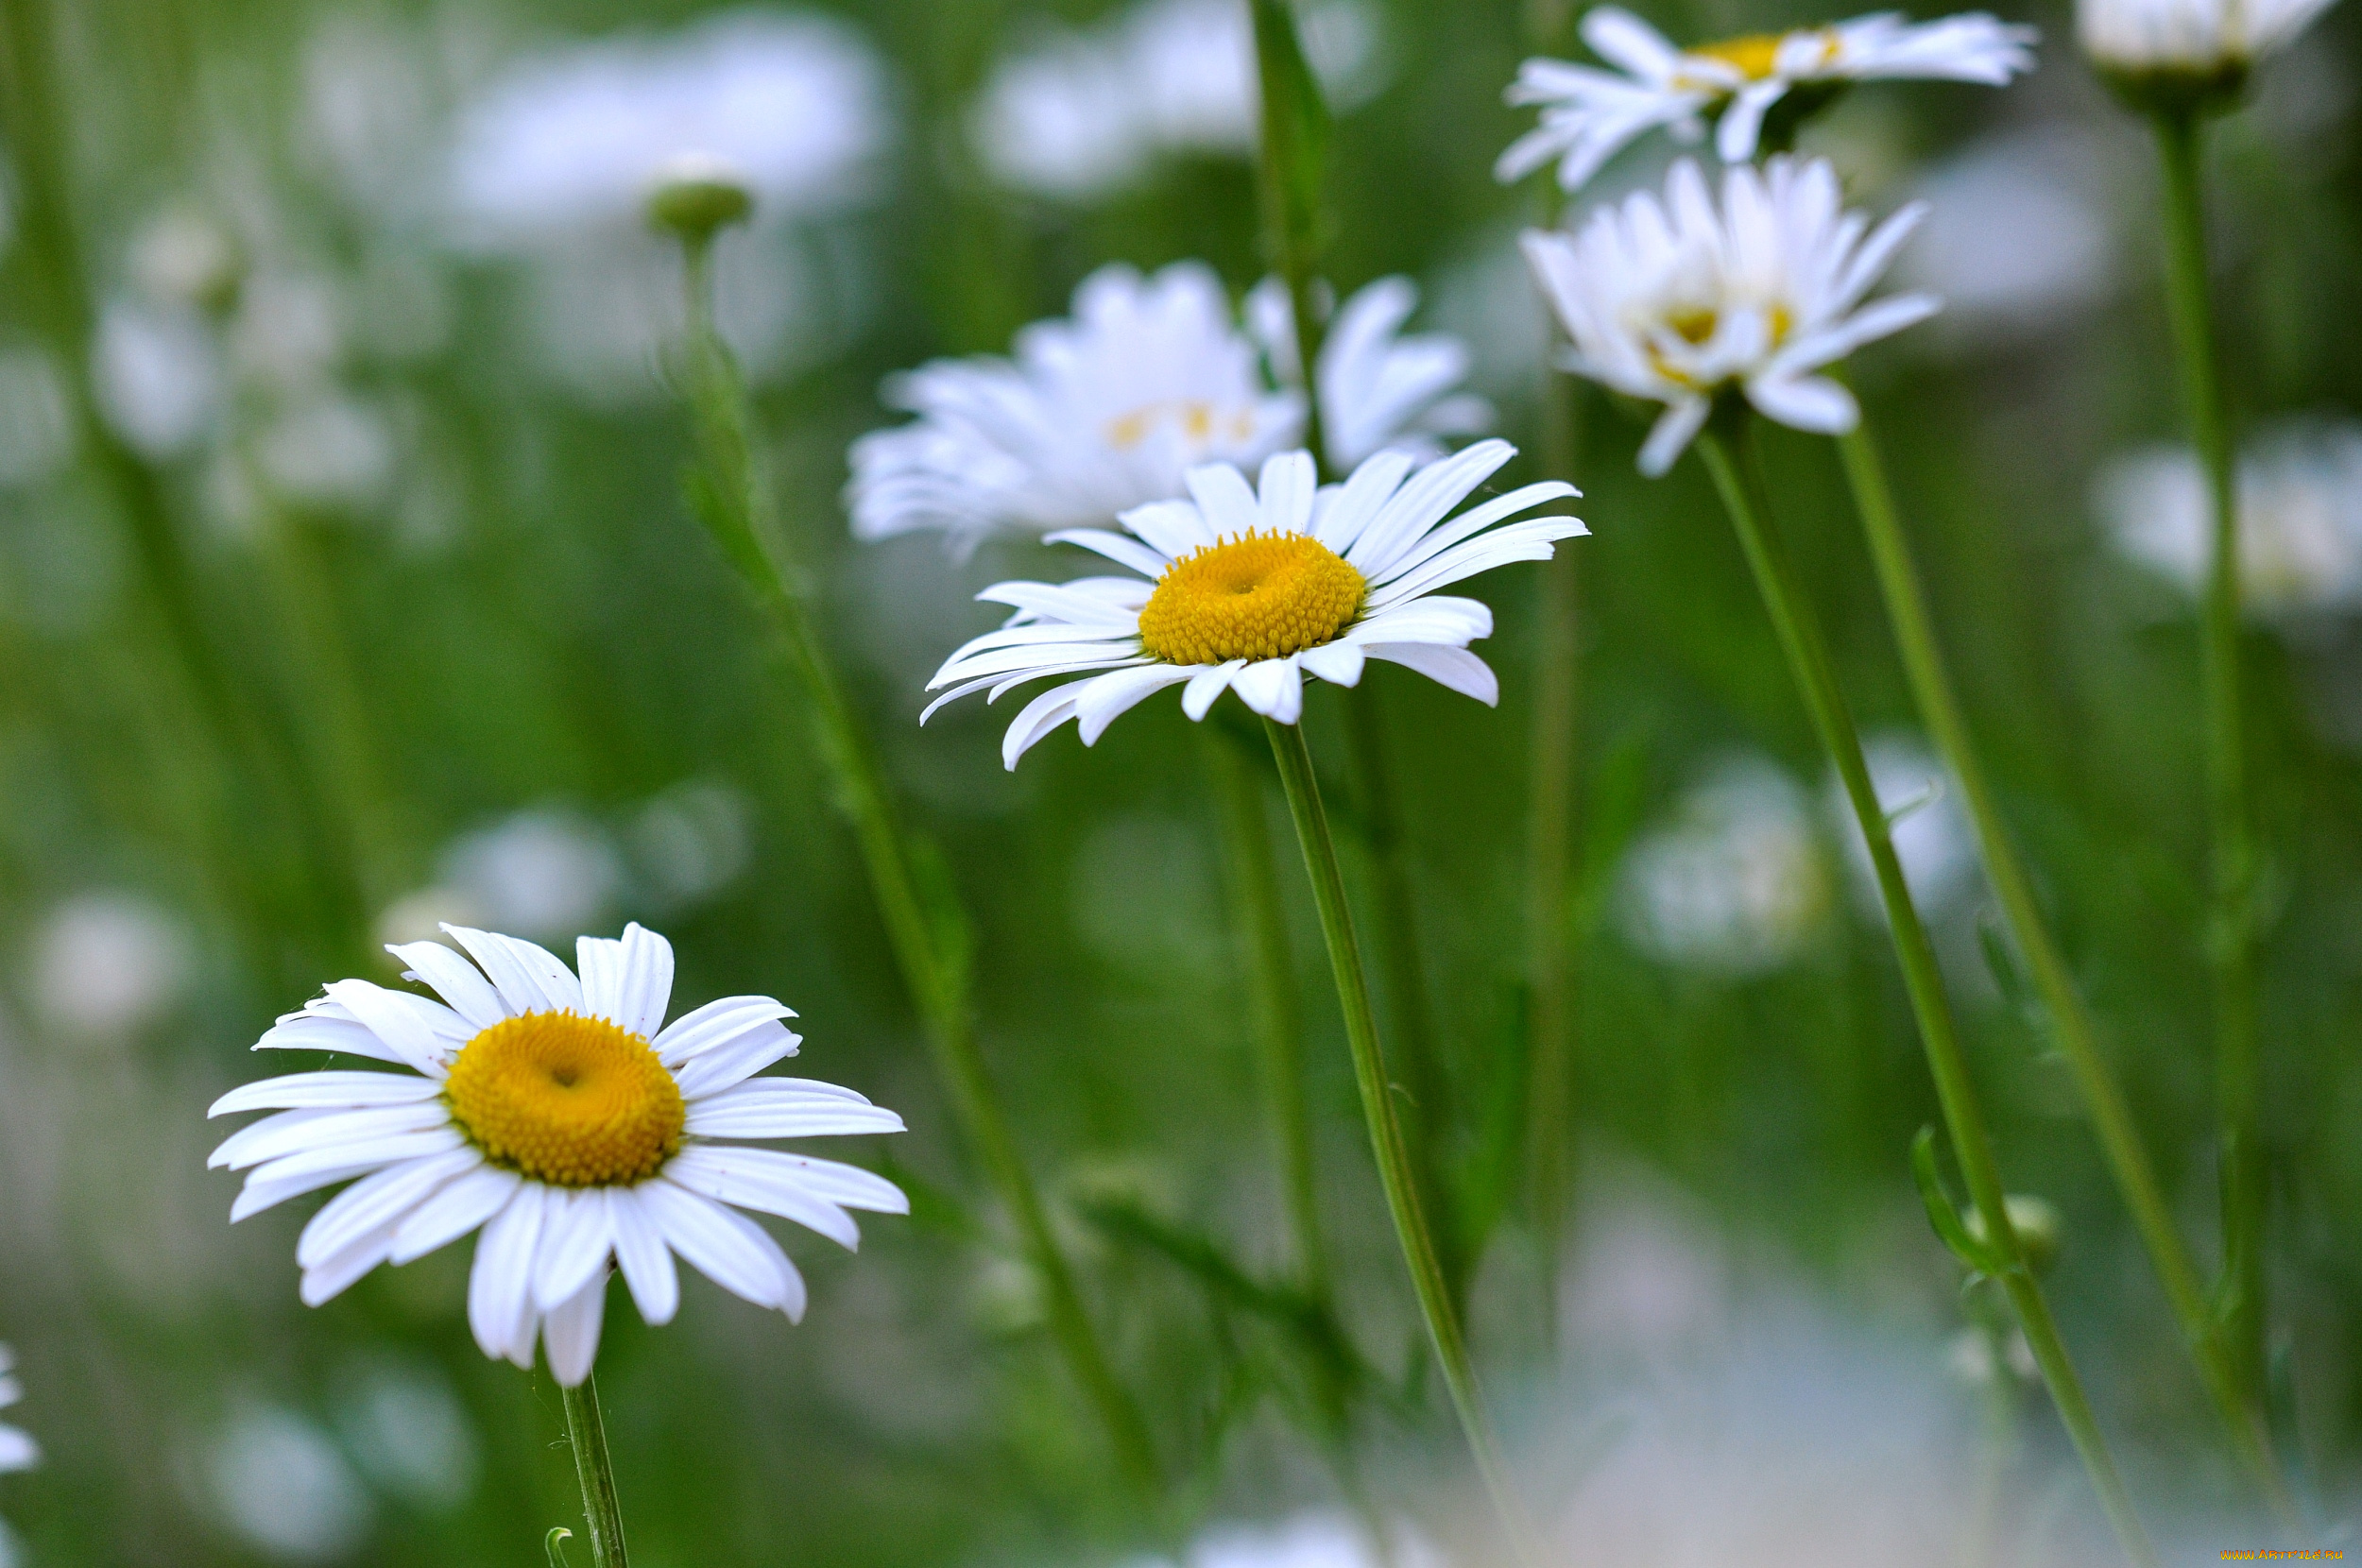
[(2233, 938), (1289, 173), (924, 924), (587, 1434), (1257, 914), (1386, 1140), (2070, 1020), (1809, 660)]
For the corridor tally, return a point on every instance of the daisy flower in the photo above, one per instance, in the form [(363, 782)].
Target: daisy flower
[(1679, 301), (2188, 39), (559, 1114), (17, 1450), (1251, 590), (1151, 375), (1589, 114)]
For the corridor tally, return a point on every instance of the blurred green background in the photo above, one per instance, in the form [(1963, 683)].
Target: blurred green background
[(287, 379)]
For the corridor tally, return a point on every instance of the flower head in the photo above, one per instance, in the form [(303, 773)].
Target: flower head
[(2200, 48), (1589, 114), (2300, 519), (1251, 590), (1105, 411), (558, 1113), (1680, 301), (17, 1450), (1736, 882)]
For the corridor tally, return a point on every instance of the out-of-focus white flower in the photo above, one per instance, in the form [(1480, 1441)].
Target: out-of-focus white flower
[(185, 258), (278, 1481), (1078, 115), (2197, 38), (1737, 883), (1589, 114), (1378, 386), (692, 841), (2017, 234), (1677, 301), (577, 136), (1933, 838), (553, 1110), (290, 332), (36, 427), (17, 1450), (329, 452), (411, 1435), (1316, 1538), (106, 965), (1251, 588), (2300, 517), (158, 375), (1105, 412), (541, 872), (417, 916)]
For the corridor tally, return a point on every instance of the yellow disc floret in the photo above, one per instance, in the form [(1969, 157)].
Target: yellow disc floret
[(1752, 56), (1257, 596), (566, 1100)]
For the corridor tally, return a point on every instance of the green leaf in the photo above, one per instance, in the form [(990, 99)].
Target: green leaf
[(1949, 1227), (550, 1545)]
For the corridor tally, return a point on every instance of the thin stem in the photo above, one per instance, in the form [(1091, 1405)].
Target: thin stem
[(587, 1434), (1253, 881), (2070, 1020), (2231, 942), (1809, 660), (1386, 1142), (924, 923)]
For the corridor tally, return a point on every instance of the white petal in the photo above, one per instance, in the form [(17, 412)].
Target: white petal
[(1674, 430), (530, 976), (1286, 487), (1036, 719), (573, 1245), (1123, 552), (847, 1186), (761, 1179), (500, 1286), (331, 1131), (467, 1201), (1455, 668), (1338, 663), (1734, 138), (715, 1070), (402, 1021), (315, 1030), (716, 1024), (776, 1108), (336, 1272), (1111, 695), (458, 982), (633, 980), (645, 1260), (1272, 687), (570, 1332), (1809, 402), (379, 1202), (728, 1248), (1226, 500), (1206, 685), (312, 1090)]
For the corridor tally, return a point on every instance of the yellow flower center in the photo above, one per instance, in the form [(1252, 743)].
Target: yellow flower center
[(570, 1101), (1257, 596), (1752, 56), (1198, 422)]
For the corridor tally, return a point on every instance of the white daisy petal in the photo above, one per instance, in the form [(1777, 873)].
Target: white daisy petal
[(1455, 668), (762, 1179), (712, 1071), (731, 1251), (460, 984), (570, 1332), (716, 1024), (337, 1273), (402, 1021), (340, 1090), (1122, 551), (323, 1133), (379, 1202), (318, 1031), (1338, 663), (465, 1202), (846, 1185), (1037, 718), (499, 1285), (1105, 700), (1672, 433), (646, 1262), (574, 1245), (1206, 685), (1273, 688), (529, 977), (781, 1108)]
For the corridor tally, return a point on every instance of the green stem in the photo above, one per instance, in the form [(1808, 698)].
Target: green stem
[(2071, 1021), (1809, 660), (1256, 913), (924, 924), (2231, 943), (1386, 1141), (587, 1434)]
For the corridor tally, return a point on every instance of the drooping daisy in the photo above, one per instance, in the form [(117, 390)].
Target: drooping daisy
[(1589, 114), (17, 1450), (1252, 590), (1105, 411), (2204, 41), (558, 1113), (1679, 301)]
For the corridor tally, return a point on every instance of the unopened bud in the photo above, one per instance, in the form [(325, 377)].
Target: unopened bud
[(695, 196), (2037, 1225)]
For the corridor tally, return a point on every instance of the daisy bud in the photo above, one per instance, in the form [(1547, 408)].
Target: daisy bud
[(2185, 55), (697, 197)]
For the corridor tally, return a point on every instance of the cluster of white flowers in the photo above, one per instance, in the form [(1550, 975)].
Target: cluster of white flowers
[(1105, 411), (2300, 519), (1080, 113)]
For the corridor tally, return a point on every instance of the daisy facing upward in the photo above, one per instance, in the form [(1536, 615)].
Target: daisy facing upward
[(1589, 114), (1251, 590)]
